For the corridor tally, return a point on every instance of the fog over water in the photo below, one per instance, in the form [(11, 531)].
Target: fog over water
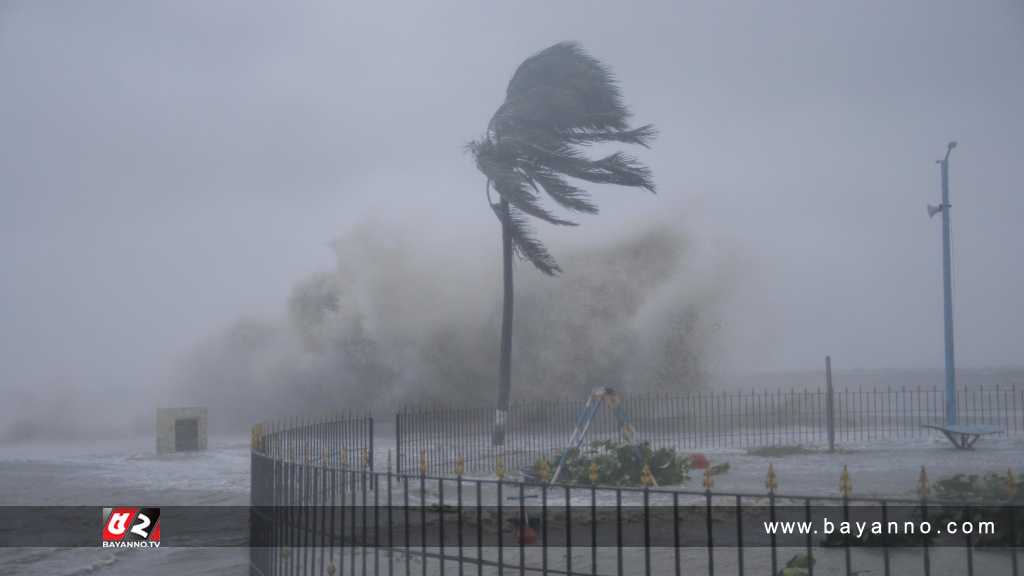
[(268, 209)]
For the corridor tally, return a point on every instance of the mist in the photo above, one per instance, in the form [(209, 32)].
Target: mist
[(172, 175)]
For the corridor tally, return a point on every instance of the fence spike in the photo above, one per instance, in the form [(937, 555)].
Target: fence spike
[(773, 481), (423, 461), (708, 481), (922, 483), (1011, 483), (845, 484)]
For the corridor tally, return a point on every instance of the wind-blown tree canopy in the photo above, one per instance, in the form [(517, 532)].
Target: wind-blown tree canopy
[(558, 102)]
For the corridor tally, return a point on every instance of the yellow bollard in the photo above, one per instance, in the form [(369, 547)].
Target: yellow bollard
[(646, 477), (845, 485), (593, 472), (460, 466), (499, 467), (773, 482), (366, 457), (544, 470), (1011, 484), (708, 482), (423, 462)]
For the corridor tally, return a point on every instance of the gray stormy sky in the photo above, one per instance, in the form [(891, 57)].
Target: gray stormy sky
[(166, 167)]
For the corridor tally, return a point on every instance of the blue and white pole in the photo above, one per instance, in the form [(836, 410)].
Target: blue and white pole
[(947, 289)]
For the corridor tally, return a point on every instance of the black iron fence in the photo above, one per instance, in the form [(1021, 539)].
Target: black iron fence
[(340, 441), (325, 509), (706, 420)]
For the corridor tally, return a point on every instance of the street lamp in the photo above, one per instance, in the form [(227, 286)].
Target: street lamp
[(962, 436), (947, 288)]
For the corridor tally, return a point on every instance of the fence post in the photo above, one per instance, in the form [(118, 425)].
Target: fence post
[(829, 410), (1011, 492), (371, 443), (708, 482), (922, 489), (845, 489), (398, 443), (772, 483)]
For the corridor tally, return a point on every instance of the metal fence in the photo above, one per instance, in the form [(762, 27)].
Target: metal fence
[(346, 439), (320, 507), (702, 421)]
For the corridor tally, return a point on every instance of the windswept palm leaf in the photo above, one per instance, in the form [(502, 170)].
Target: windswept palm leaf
[(558, 102)]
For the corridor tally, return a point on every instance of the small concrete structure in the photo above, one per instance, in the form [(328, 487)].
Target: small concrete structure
[(180, 429)]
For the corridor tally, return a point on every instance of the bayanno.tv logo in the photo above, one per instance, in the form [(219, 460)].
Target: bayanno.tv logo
[(125, 527)]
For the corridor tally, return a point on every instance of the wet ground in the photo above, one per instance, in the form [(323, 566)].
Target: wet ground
[(129, 473)]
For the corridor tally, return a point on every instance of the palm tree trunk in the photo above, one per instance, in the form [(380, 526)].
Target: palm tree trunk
[(505, 369)]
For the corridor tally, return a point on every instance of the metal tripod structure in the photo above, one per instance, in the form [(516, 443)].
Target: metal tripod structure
[(597, 397)]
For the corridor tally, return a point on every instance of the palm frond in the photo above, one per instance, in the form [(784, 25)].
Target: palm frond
[(525, 241), (569, 196), (515, 187), (641, 136), (617, 168)]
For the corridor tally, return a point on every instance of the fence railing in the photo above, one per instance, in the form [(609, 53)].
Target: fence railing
[(701, 421), (345, 440), (320, 507)]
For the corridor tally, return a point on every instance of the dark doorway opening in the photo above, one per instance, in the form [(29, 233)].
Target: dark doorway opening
[(186, 434)]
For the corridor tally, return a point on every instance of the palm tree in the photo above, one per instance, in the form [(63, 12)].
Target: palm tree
[(558, 102)]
